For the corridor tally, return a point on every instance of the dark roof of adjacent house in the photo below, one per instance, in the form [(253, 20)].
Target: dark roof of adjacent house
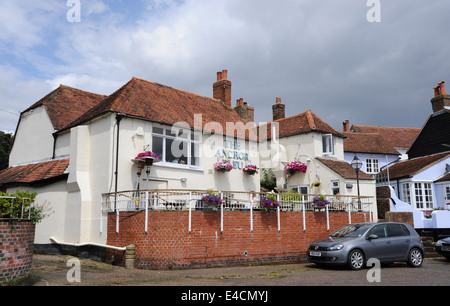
[(344, 169), (434, 137), (65, 104), (163, 104), (298, 124), (367, 143), (35, 172), (408, 168), (397, 137)]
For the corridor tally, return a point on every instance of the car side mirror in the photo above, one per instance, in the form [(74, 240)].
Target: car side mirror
[(372, 237)]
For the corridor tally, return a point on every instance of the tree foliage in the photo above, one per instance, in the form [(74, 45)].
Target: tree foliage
[(5, 147)]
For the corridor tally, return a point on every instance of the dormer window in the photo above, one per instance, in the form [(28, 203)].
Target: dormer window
[(327, 144)]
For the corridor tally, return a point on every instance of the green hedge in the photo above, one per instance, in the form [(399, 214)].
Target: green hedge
[(20, 205)]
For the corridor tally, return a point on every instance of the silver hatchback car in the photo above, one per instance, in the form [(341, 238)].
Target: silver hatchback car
[(355, 244)]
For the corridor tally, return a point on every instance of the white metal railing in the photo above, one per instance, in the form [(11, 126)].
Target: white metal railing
[(194, 200), (15, 208)]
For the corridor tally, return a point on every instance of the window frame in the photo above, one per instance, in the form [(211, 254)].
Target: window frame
[(328, 143), (372, 165), (192, 139)]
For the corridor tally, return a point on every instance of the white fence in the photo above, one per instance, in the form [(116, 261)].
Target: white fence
[(196, 200), (15, 208)]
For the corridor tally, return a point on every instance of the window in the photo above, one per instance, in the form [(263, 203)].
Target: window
[(328, 144), (301, 190), (423, 195), (177, 147), (406, 193), (372, 165), (335, 187), (396, 230), (379, 230)]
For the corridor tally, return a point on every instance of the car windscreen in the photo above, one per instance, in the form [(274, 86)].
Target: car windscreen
[(351, 230)]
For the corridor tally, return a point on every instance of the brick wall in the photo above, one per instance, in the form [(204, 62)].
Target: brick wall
[(404, 217), (168, 243), (16, 249)]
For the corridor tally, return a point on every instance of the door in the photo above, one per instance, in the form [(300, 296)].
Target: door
[(379, 247), (446, 193), (399, 239)]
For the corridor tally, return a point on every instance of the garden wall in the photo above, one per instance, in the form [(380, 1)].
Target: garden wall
[(16, 249), (169, 245)]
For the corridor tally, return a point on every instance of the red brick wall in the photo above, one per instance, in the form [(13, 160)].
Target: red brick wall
[(16, 249), (168, 243)]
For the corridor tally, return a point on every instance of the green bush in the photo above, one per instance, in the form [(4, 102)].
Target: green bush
[(20, 205)]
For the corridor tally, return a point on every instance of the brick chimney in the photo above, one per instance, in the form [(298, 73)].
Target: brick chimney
[(441, 99), (222, 88), (346, 125), (246, 112), (278, 110)]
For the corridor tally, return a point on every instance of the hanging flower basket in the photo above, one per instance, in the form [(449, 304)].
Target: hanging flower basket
[(320, 201), (294, 167), (269, 202), (212, 198), (147, 158), (428, 214), (250, 169), (223, 167)]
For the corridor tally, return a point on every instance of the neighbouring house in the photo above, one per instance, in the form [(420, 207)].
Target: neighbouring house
[(423, 181), (377, 146)]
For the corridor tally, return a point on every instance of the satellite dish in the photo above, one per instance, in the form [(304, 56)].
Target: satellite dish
[(447, 168)]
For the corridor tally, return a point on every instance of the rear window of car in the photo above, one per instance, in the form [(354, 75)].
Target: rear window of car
[(395, 230)]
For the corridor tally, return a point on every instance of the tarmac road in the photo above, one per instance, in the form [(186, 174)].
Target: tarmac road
[(49, 270)]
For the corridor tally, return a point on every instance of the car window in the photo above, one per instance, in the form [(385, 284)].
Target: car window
[(397, 230), (379, 230), (351, 230)]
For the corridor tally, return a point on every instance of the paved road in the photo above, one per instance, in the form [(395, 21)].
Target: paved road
[(53, 271)]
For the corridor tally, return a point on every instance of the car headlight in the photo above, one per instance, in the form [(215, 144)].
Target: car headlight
[(335, 247), (439, 243)]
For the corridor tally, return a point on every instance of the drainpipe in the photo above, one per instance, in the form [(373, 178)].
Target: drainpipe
[(119, 117)]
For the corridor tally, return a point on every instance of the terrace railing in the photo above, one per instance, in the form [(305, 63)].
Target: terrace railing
[(222, 201)]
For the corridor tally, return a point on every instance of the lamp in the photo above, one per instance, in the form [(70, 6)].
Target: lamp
[(357, 165)]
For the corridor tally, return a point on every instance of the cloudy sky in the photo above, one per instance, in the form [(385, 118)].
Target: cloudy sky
[(322, 55)]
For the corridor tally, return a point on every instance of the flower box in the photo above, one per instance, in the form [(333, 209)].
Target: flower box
[(250, 169), (320, 201), (223, 167)]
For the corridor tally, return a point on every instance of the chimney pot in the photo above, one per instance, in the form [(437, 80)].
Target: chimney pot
[(224, 74), (346, 126), (219, 76), (441, 88), (436, 91)]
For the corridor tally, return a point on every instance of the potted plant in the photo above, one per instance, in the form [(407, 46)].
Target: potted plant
[(294, 167), (269, 202), (315, 184), (250, 169), (212, 200), (223, 167), (320, 201)]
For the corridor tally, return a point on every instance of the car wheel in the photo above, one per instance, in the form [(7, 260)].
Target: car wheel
[(415, 258), (356, 260)]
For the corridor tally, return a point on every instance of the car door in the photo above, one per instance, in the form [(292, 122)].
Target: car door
[(378, 247), (399, 241)]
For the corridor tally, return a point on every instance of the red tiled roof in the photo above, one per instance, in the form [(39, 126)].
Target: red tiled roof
[(65, 104), (400, 137), (344, 169), (444, 178), (367, 143), (160, 103), (299, 124), (410, 167), (33, 173)]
